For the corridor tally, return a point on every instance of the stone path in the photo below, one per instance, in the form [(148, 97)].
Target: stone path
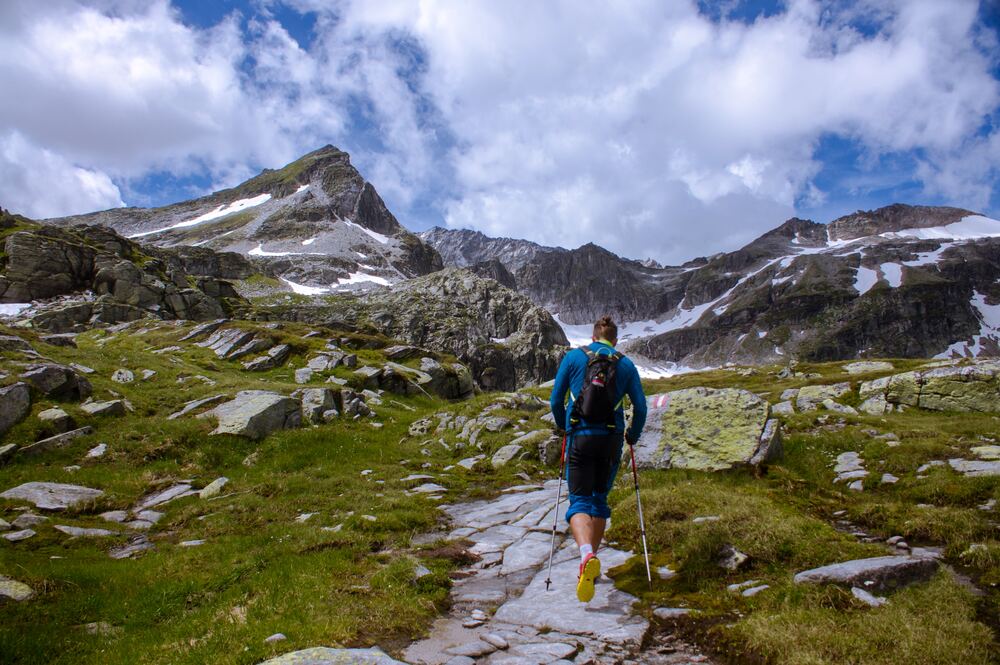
[(502, 613)]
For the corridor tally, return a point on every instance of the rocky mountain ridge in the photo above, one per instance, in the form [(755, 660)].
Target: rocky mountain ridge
[(905, 281), (317, 223)]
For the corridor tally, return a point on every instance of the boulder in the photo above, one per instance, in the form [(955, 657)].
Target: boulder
[(368, 377), (451, 381), (303, 375), (53, 442), (115, 407), (972, 388), (708, 429), (550, 450), (505, 454), (226, 341), (57, 420), (318, 401), (204, 329), (275, 357), (810, 397), (878, 573), (213, 488), (256, 413), (52, 496), (15, 404), (58, 381), (14, 343)]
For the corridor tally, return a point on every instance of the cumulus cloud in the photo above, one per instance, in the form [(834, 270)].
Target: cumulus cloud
[(644, 126), (47, 184)]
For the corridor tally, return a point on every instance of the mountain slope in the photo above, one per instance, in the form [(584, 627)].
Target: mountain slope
[(316, 222)]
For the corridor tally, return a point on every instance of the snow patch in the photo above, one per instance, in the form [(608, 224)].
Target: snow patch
[(302, 188), (893, 273), (309, 242), (865, 280), (305, 290), (374, 234), (221, 211), (967, 228), (928, 258), (989, 330), (361, 277)]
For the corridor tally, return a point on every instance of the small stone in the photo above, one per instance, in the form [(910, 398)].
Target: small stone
[(123, 376), (117, 516), (889, 479), (148, 374), (494, 640), (136, 546), (902, 545), (479, 615), (149, 516), (370, 518), (77, 532), (739, 587), (472, 623), (666, 573), (753, 591), (97, 451), (305, 517), (28, 520), (191, 543), (14, 590), (115, 407), (731, 558), (708, 518), (16, 536), (667, 613), (277, 637), (857, 486), (213, 488), (420, 571), (867, 598)]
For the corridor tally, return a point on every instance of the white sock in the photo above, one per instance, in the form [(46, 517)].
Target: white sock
[(585, 550)]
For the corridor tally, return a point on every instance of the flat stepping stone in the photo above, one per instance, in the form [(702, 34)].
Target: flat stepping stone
[(878, 573), (11, 589), (329, 656), (17, 536), (78, 532), (53, 442), (52, 496), (159, 498)]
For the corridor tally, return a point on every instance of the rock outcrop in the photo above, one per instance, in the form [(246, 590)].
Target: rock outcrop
[(256, 413), (104, 278), (708, 429), (974, 387)]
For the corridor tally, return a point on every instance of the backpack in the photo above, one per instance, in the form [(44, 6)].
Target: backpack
[(596, 401)]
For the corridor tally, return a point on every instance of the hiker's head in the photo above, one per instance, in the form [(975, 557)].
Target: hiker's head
[(606, 329)]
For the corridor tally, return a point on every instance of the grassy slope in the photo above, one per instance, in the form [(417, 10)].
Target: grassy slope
[(783, 520), (260, 572)]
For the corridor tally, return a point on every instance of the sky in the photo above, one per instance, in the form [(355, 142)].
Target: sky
[(664, 129)]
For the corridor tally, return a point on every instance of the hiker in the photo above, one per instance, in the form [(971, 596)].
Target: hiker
[(596, 378)]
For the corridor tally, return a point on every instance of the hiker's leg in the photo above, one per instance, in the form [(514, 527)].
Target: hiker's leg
[(597, 525), (582, 526)]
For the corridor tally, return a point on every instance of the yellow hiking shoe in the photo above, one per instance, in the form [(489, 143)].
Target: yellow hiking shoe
[(590, 570)]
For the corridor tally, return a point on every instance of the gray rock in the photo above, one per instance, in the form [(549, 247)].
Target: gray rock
[(213, 488), (471, 649), (731, 558), (494, 640), (137, 545), (78, 532), (470, 462), (975, 468), (668, 613), (810, 397), (15, 404), (147, 374), (115, 407), (192, 543), (4, 525), (149, 516), (877, 573), (11, 589), (753, 591), (316, 402), (117, 516), (58, 381), (13, 343), (28, 520), (52, 496), (783, 408), (226, 341), (496, 423), (429, 488), (505, 454), (7, 451), (123, 376), (867, 598), (275, 357), (163, 496), (277, 637), (303, 375), (57, 420), (868, 366), (330, 656), (889, 479), (256, 413), (194, 405), (836, 407), (17, 536), (368, 377), (203, 329)]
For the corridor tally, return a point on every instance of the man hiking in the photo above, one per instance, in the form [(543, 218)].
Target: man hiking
[(596, 378)]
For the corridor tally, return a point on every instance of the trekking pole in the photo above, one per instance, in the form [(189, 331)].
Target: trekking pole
[(555, 521), (642, 522)]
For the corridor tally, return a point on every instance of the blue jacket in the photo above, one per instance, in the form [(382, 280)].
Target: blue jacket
[(569, 380)]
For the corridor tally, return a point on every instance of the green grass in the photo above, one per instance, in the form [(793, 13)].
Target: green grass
[(260, 572)]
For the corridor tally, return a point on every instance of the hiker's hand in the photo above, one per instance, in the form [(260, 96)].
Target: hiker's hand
[(560, 432), (630, 440)]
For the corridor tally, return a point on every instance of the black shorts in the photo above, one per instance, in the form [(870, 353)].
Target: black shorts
[(592, 463)]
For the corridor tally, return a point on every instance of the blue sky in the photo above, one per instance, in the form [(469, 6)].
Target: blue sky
[(656, 129)]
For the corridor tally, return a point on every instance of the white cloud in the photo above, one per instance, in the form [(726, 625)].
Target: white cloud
[(45, 184), (640, 125)]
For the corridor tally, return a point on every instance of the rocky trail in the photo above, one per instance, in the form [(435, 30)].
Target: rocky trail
[(501, 611)]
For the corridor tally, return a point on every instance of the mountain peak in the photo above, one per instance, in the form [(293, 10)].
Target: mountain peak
[(891, 218)]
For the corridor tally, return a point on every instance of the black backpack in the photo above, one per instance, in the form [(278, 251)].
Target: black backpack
[(595, 404)]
